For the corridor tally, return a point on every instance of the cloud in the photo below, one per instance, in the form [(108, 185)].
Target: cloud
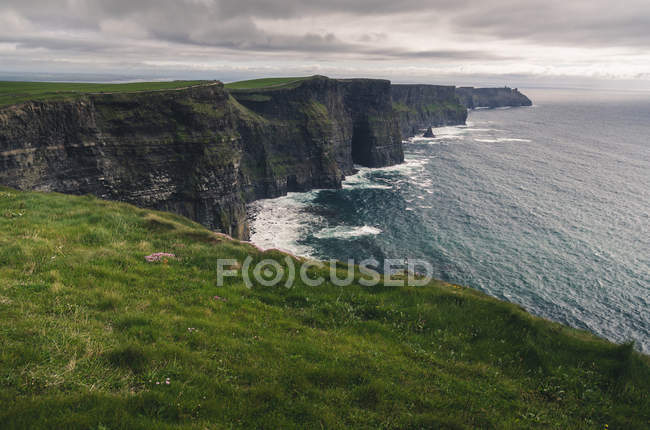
[(577, 36)]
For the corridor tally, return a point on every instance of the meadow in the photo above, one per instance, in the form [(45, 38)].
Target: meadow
[(92, 335)]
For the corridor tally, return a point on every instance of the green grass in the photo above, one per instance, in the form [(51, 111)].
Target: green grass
[(88, 328), (264, 83), (18, 92)]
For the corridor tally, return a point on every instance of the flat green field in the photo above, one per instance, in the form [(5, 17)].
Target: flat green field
[(17, 92), (264, 83), (92, 336)]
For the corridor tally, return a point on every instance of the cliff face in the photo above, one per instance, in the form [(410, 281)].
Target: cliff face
[(472, 97), (176, 150), (376, 139), (421, 106), (200, 152), (326, 120)]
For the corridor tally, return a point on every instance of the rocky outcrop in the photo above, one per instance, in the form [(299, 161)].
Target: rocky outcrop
[(421, 106), (200, 152), (429, 133), (473, 98)]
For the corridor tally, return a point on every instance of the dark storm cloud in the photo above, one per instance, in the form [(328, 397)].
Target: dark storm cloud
[(578, 21), (222, 24), (230, 23)]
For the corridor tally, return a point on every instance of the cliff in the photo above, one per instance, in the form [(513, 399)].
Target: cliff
[(203, 151), (347, 121), (421, 106), (471, 97), (179, 151), (199, 151)]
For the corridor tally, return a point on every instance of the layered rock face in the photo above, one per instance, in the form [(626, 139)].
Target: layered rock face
[(346, 121), (179, 151), (473, 98), (376, 139), (421, 106), (200, 152)]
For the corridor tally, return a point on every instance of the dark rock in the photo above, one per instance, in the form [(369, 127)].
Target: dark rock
[(429, 133)]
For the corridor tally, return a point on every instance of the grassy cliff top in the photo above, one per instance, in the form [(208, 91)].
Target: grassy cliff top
[(254, 84), (94, 336), (17, 92)]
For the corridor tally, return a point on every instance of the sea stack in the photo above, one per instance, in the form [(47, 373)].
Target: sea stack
[(429, 133)]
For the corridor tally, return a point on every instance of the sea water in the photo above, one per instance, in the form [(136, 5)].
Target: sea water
[(546, 206)]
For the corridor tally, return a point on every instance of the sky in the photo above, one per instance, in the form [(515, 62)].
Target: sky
[(525, 43)]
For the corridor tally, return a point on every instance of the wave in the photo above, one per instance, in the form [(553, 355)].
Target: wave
[(447, 133), (344, 232), (360, 180), (282, 222)]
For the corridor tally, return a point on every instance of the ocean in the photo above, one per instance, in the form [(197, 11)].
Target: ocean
[(545, 206)]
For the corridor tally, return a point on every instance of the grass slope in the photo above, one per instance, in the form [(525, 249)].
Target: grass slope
[(17, 92), (90, 333), (264, 83)]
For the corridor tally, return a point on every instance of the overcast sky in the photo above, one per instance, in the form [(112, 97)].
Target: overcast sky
[(516, 42)]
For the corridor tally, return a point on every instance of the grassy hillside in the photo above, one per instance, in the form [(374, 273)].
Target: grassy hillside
[(16, 92), (94, 336), (263, 83)]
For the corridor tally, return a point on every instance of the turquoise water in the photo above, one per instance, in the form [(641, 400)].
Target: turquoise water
[(546, 206)]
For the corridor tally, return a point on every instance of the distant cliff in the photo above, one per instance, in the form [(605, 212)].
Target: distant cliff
[(472, 98), (200, 152), (421, 106)]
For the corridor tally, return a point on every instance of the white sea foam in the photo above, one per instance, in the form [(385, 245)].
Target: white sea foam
[(409, 165), (361, 180), (342, 232), (447, 133), (280, 223)]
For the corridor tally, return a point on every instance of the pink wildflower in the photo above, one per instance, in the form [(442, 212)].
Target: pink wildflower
[(159, 256)]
